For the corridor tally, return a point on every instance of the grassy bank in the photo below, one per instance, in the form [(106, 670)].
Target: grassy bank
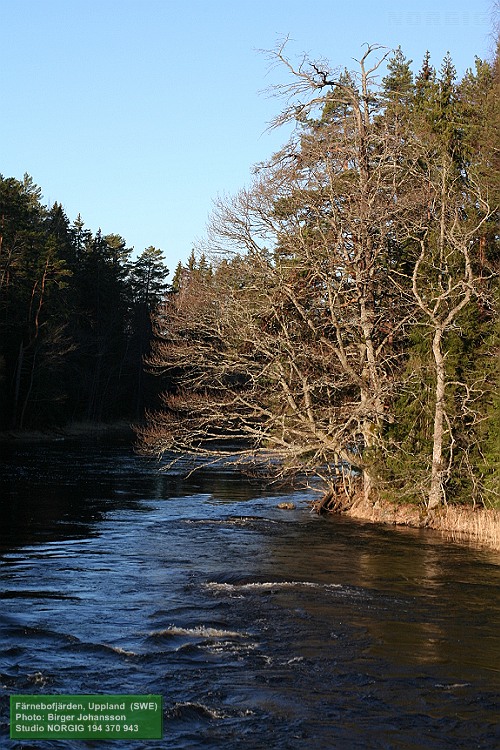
[(457, 522)]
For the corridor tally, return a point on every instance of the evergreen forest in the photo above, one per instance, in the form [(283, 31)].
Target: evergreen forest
[(75, 317), (340, 320)]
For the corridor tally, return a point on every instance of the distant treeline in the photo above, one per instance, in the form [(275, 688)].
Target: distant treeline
[(75, 313)]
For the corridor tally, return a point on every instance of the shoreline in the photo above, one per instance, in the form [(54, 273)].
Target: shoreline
[(73, 432), (459, 523)]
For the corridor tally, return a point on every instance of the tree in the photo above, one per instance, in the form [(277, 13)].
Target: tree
[(32, 275), (292, 343), (397, 94), (351, 286), (148, 280), (444, 284), (74, 315), (438, 419), (100, 325)]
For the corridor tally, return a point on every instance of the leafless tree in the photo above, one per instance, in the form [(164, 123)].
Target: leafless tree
[(292, 343), (443, 285)]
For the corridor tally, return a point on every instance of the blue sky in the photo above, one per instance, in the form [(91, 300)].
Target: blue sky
[(139, 113)]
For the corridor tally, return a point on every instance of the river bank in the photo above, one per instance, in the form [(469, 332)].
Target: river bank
[(73, 432), (457, 522)]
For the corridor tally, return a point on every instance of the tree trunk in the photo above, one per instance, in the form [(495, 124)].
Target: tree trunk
[(29, 390), (368, 431), (17, 385), (436, 489)]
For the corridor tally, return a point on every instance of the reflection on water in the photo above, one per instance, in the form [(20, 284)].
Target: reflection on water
[(260, 627)]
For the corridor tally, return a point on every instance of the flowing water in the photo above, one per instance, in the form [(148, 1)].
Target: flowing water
[(261, 627)]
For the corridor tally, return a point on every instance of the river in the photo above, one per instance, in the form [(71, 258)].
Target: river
[(261, 627)]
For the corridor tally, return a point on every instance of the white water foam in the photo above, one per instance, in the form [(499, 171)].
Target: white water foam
[(119, 650), (267, 586), (184, 709), (200, 631)]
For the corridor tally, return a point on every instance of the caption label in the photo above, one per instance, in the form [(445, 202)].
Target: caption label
[(96, 717)]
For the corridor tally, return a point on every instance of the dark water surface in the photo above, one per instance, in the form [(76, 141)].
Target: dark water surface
[(262, 628)]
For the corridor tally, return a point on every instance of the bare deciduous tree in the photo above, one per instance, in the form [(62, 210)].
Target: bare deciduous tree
[(443, 284), (292, 343), (362, 226)]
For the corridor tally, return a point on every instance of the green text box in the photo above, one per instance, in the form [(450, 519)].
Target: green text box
[(96, 717)]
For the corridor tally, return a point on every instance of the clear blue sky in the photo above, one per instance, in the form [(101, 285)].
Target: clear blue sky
[(138, 113)]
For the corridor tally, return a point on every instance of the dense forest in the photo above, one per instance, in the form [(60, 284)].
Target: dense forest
[(75, 316), (346, 327), (340, 320)]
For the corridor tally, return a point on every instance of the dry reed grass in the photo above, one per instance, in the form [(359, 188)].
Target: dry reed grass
[(479, 525), (457, 522)]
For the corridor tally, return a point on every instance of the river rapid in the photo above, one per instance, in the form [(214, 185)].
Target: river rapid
[(260, 627)]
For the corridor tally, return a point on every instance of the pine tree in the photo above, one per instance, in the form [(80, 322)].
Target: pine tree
[(148, 279), (33, 277), (398, 90)]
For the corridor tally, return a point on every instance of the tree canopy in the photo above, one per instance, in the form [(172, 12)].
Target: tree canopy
[(74, 315), (348, 326)]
